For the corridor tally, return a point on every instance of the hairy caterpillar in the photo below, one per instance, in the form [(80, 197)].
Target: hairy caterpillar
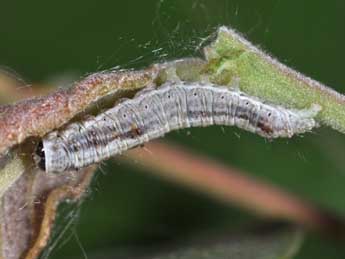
[(152, 113)]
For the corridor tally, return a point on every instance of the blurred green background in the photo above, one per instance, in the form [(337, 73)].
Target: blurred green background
[(129, 210)]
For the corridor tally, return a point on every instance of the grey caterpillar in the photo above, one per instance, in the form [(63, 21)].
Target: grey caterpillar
[(153, 113)]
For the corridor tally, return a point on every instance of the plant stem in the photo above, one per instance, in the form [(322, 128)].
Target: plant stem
[(232, 57)]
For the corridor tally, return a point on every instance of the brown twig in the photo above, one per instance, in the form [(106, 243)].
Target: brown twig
[(230, 185)]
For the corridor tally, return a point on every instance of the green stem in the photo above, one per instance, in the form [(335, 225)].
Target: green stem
[(231, 56)]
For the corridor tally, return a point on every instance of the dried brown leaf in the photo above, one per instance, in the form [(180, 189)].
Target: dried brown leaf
[(36, 117), (28, 209)]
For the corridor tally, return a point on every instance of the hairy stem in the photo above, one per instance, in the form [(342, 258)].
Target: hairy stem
[(232, 57)]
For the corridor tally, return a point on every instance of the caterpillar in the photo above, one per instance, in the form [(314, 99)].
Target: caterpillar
[(155, 112)]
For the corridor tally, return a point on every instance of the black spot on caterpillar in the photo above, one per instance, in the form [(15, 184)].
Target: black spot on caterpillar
[(153, 113)]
